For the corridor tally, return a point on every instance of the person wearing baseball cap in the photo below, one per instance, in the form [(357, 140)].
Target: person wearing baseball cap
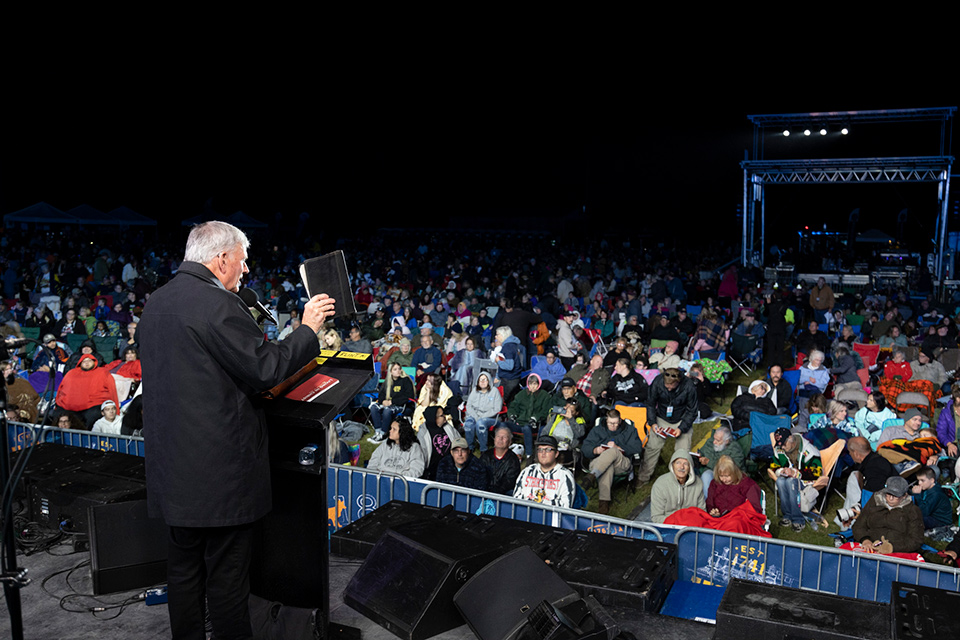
[(53, 356), (546, 481), (461, 468), (111, 421), (890, 522)]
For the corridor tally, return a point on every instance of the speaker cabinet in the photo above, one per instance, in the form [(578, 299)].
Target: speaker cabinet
[(128, 550), (408, 581), (497, 602), (756, 610), (924, 612)]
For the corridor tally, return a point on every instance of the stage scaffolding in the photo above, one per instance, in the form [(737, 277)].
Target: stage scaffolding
[(759, 173)]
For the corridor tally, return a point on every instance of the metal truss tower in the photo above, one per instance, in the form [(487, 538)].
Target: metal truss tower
[(759, 173)]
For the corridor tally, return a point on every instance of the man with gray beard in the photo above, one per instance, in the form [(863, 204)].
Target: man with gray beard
[(721, 444)]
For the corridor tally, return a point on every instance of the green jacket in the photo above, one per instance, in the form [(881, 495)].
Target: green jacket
[(528, 405), (733, 450), (398, 357)]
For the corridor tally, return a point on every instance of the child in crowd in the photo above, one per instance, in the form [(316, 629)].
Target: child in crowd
[(934, 505)]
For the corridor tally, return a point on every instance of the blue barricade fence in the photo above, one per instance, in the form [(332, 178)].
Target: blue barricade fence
[(23, 435), (713, 557), (440, 495), (705, 556), (354, 492)]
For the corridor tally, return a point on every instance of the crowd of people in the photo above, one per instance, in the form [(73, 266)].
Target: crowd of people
[(487, 341)]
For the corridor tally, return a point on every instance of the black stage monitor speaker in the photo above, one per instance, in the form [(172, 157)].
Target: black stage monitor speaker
[(407, 583), (128, 550), (756, 610), (617, 571), (63, 500), (498, 600), (924, 612)]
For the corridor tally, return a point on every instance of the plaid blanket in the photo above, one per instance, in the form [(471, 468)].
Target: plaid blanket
[(891, 390), (824, 437), (920, 449)]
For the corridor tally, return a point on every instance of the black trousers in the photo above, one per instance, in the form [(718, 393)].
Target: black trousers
[(773, 354), (211, 564)]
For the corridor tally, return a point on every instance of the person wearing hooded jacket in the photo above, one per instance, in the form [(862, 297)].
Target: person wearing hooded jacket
[(509, 360), (483, 405), (85, 389), (677, 489), (87, 347), (755, 399), (529, 410)]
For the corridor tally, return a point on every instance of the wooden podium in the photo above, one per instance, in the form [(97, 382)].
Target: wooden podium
[(290, 561)]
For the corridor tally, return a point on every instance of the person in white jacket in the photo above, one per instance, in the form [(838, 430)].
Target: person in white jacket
[(567, 345), (111, 421)]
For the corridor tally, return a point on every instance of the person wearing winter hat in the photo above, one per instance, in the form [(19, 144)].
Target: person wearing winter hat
[(913, 421), (85, 389), (890, 522)]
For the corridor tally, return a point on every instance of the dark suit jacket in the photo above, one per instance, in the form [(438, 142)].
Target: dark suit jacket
[(204, 362)]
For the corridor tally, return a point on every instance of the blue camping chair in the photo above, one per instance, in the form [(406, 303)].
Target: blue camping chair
[(761, 426), (793, 379)]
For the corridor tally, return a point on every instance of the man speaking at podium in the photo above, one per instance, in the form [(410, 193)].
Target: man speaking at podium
[(204, 362)]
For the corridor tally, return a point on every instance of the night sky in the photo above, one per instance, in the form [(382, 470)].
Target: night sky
[(657, 152)]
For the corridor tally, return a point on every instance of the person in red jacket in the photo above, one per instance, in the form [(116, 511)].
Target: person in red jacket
[(897, 367), (85, 388), (128, 366)]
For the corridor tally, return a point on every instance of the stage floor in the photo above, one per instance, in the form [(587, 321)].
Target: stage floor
[(44, 619)]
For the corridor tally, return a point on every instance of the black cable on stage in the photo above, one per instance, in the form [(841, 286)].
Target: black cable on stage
[(66, 601)]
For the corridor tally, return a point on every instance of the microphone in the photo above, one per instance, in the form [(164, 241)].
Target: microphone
[(252, 300), (16, 343)]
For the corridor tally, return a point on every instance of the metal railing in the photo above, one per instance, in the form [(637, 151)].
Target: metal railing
[(24, 435), (353, 492), (714, 557), (705, 555), (469, 501)]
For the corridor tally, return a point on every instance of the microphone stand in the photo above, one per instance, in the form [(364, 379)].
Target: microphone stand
[(13, 577)]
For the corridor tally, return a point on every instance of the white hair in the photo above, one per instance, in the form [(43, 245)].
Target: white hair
[(207, 240), (727, 435), (816, 355), (504, 332)]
